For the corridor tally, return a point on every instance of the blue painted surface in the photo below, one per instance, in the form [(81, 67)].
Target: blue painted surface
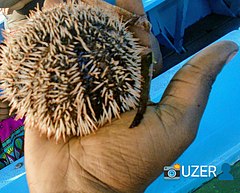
[(225, 7), (18, 186), (12, 179), (2, 18), (181, 13), (113, 2), (196, 11), (149, 4), (217, 141), (170, 18)]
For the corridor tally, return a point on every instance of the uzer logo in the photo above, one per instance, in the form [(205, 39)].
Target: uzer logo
[(193, 171)]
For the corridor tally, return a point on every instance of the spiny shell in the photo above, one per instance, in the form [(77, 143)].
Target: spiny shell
[(71, 69)]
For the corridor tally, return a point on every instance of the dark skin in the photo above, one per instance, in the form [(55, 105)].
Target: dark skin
[(119, 159), (4, 110)]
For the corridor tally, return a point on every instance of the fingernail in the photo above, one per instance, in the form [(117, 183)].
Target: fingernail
[(231, 56)]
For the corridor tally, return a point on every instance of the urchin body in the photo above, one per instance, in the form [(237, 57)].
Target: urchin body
[(71, 69)]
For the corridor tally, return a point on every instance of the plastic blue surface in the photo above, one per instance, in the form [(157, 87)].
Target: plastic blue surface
[(170, 18), (2, 18), (12, 179), (217, 141), (113, 2), (150, 4)]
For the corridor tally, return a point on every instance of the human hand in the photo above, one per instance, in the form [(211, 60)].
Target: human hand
[(119, 159), (4, 110), (13, 4)]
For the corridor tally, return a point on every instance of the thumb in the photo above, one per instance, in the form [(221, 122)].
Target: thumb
[(7, 4), (186, 96), (18, 4), (51, 3)]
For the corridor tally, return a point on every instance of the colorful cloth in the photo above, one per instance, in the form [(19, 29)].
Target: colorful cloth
[(11, 141)]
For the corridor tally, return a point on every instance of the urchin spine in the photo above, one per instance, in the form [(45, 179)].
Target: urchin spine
[(71, 69)]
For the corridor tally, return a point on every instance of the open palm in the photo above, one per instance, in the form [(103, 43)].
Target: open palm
[(119, 159)]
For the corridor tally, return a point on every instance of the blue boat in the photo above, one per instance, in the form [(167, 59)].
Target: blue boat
[(218, 138)]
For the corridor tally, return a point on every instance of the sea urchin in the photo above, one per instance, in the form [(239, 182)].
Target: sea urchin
[(71, 69)]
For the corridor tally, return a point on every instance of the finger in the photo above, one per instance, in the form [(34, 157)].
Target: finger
[(157, 55), (186, 96), (5, 11), (4, 112), (134, 6), (148, 40), (19, 5), (8, 3), (51, 3), (4, 105)]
